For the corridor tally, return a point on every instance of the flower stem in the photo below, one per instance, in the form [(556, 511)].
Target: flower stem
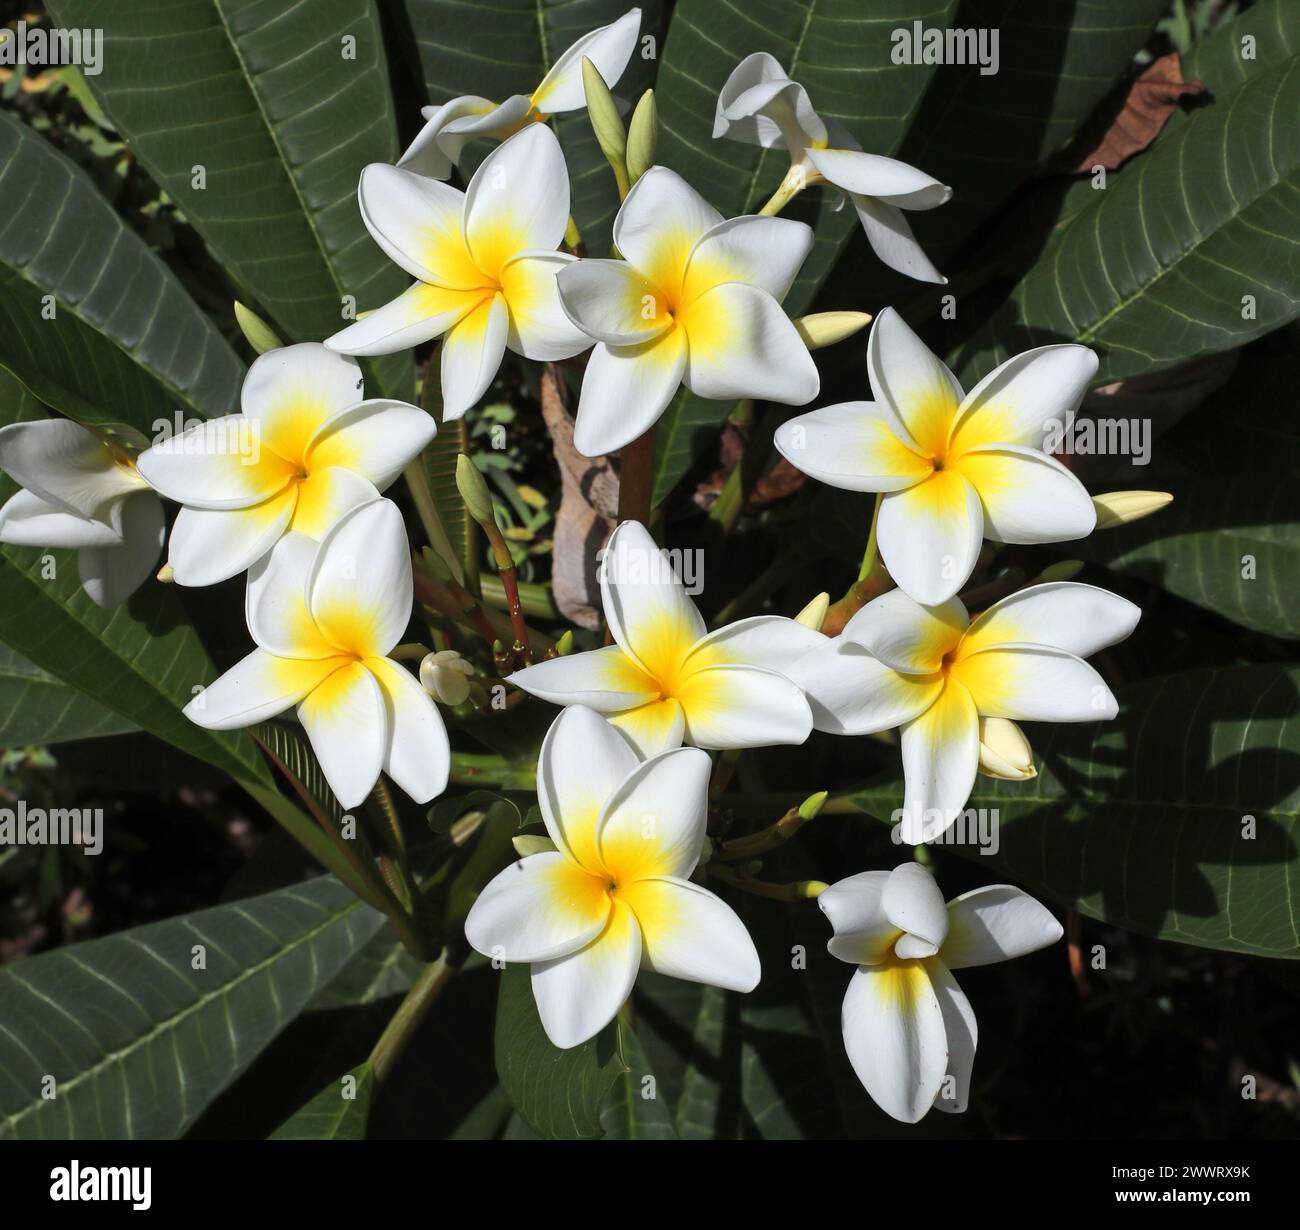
[(635, 479), (795, 181), (405, 1021), (872, 553)]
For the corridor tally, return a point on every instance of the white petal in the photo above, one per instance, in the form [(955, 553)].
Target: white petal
[(290, 391), (1012, 403), (894, 1035), (962, 1034), (255, 688), (851, 693), (211, 545), (613, 302), (996, 923), (538, 908), (940, 758), (605, 679), (653, 824), (417, 756), (471, 355), (759, 104), (360, 590), (652, 728), (930, 535), (856, 445), (275, 602), (890, 235), (495, 122), (419, 313), (347, 723), (1034, 683), (376, 438), (759, 251), (539, 328), (770, 641), (518, 199), (219, 464), (1028, 497), (609, 48), (418, 223), (578, 995), (625, 389), (649, 612), (886, 179), (111, 573), (743, 706), (28, 520), (863, 934), (426, 155), (659, 223), (741, 344), (688, 933), (66, 465), (582, 763), (1081, 619), (909, 378), (905, 635), (912, 901)]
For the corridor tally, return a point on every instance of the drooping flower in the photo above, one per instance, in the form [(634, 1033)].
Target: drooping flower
[(909, 1029), (955, 468), (325, 617), (667, 680), (452, 125), (82, 492), (486, 261), (935, 673), (760, 105), (695, 301), (304, 450), (613, 894)]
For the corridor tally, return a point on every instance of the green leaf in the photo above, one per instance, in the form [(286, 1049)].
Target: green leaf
[(338, 1112), (839, 50), (1157, 271), (278, 109), (1230, 542), (635, 1109), (126, 343), (141, 661), (1146, 822), (558, 1093), (138, 1042), (505, 48), (35, 707)]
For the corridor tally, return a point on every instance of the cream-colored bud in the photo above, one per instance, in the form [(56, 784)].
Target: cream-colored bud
[(166, 575), (826, 328), (1115, 508), (1004, 751), (445, 676), (814, 614)]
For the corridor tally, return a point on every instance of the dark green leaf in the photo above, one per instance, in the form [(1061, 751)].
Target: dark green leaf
[(35, 707), (337, 1112), (635, 1108)]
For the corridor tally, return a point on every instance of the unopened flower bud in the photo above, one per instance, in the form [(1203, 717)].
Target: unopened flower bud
[(445, 676), (1004, 751), (1115, 508), (826, 328), (814, 614)]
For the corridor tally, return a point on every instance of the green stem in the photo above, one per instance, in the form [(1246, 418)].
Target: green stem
[(405, 1021), (872, 554)]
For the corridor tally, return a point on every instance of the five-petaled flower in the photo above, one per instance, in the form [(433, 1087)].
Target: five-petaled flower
[(305, 450), (761, 105), (614, 893), (695, 301), (81, 491), (665, 679), (935, 672), (954, 469), (486, 261), (449, 127), (325, 617), (909, 1030)]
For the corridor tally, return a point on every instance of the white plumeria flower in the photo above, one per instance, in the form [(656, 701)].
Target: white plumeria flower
[(614, 893), (305, 450), (909, 1030), (80, 492), (955, 468), (934, 672), (695, 301), (666, 680), (486, 263), (760, 105), (325, 617), (454, 124)]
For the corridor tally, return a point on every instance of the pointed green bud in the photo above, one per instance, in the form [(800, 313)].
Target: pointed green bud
[(812, 805), (564, 646), (1063, 570), (473, 490), (642, 137), (605, 123), (261, 337)]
